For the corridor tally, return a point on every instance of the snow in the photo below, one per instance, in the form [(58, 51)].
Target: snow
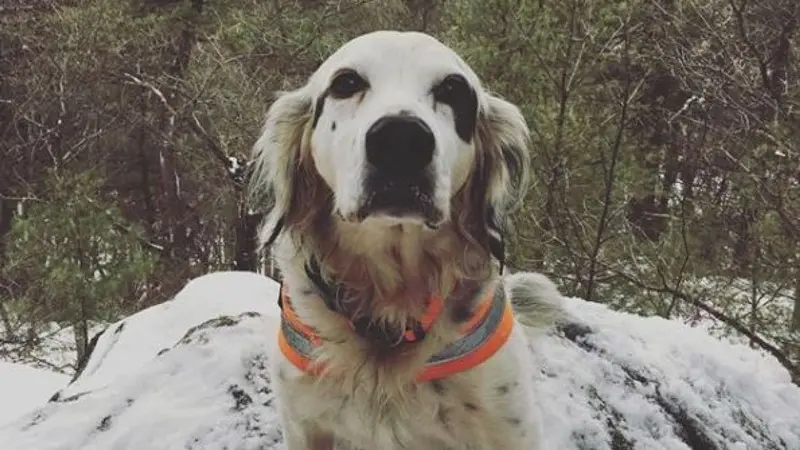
[(129, 344), (24, 388), (191, 374), (653, 379)]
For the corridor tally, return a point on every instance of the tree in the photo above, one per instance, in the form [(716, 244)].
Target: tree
[(83, 264)]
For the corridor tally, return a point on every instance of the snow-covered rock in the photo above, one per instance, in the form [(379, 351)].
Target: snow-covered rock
[(191, 374)]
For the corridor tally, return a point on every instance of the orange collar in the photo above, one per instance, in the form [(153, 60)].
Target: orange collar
[(481, 337)]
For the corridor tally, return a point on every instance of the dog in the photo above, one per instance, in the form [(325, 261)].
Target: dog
[(390, 177)]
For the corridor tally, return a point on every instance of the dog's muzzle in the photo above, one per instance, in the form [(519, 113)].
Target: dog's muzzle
[(399, 182)]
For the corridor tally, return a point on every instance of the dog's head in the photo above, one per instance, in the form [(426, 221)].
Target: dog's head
[(392, 129)]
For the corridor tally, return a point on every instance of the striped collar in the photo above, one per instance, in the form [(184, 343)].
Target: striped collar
[(481, 337)]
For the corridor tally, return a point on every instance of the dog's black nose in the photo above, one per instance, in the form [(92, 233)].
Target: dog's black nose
[(400, 146)]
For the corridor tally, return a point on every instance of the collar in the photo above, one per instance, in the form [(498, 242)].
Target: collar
[(383, 335), (481, 337)]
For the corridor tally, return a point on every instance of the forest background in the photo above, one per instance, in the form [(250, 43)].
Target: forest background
[(666, 150)]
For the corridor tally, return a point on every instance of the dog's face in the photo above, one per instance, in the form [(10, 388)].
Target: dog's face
[(400, 130), (393, 127)]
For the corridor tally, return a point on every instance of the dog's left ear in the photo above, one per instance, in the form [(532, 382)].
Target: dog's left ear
[(503, 139)]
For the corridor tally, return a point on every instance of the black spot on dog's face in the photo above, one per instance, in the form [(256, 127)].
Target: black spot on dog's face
[(503, 389), (470, 406), (455, 92), (318, 107), (345, 84)]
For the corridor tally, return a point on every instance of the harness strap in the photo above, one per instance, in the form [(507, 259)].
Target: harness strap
[(482, 336)]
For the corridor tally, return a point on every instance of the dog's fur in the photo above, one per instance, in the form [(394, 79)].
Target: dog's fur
[(310, 166)]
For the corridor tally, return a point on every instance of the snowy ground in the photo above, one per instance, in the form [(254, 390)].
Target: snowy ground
[(191, 374), (24, 388)]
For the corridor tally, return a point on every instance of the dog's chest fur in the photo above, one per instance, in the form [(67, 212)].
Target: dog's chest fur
[(483, 409)]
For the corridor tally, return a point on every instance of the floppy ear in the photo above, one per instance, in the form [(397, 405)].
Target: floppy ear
[(278, 157), (503, 139)]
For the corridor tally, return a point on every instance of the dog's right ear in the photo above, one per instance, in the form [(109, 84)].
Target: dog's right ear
[(278, 157)]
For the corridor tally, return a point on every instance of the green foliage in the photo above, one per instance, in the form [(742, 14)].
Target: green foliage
[(82, 263)]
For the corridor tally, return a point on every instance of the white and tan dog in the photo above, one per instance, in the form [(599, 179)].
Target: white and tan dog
[(390, 176)]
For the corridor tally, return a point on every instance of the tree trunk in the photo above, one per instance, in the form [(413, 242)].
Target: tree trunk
[(779, 60), (80, 320), (245, 254), (7, 209), (743, 251), (80, 329), (143, 143), (174, 208), (7, 332), (796, 313), (171, 206), (610, 180)]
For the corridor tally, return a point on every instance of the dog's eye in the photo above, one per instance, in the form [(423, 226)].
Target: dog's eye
[(450, 90), (347, 84), (455, 92)]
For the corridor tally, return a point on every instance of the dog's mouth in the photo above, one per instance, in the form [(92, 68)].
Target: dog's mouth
[(401, 201)]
